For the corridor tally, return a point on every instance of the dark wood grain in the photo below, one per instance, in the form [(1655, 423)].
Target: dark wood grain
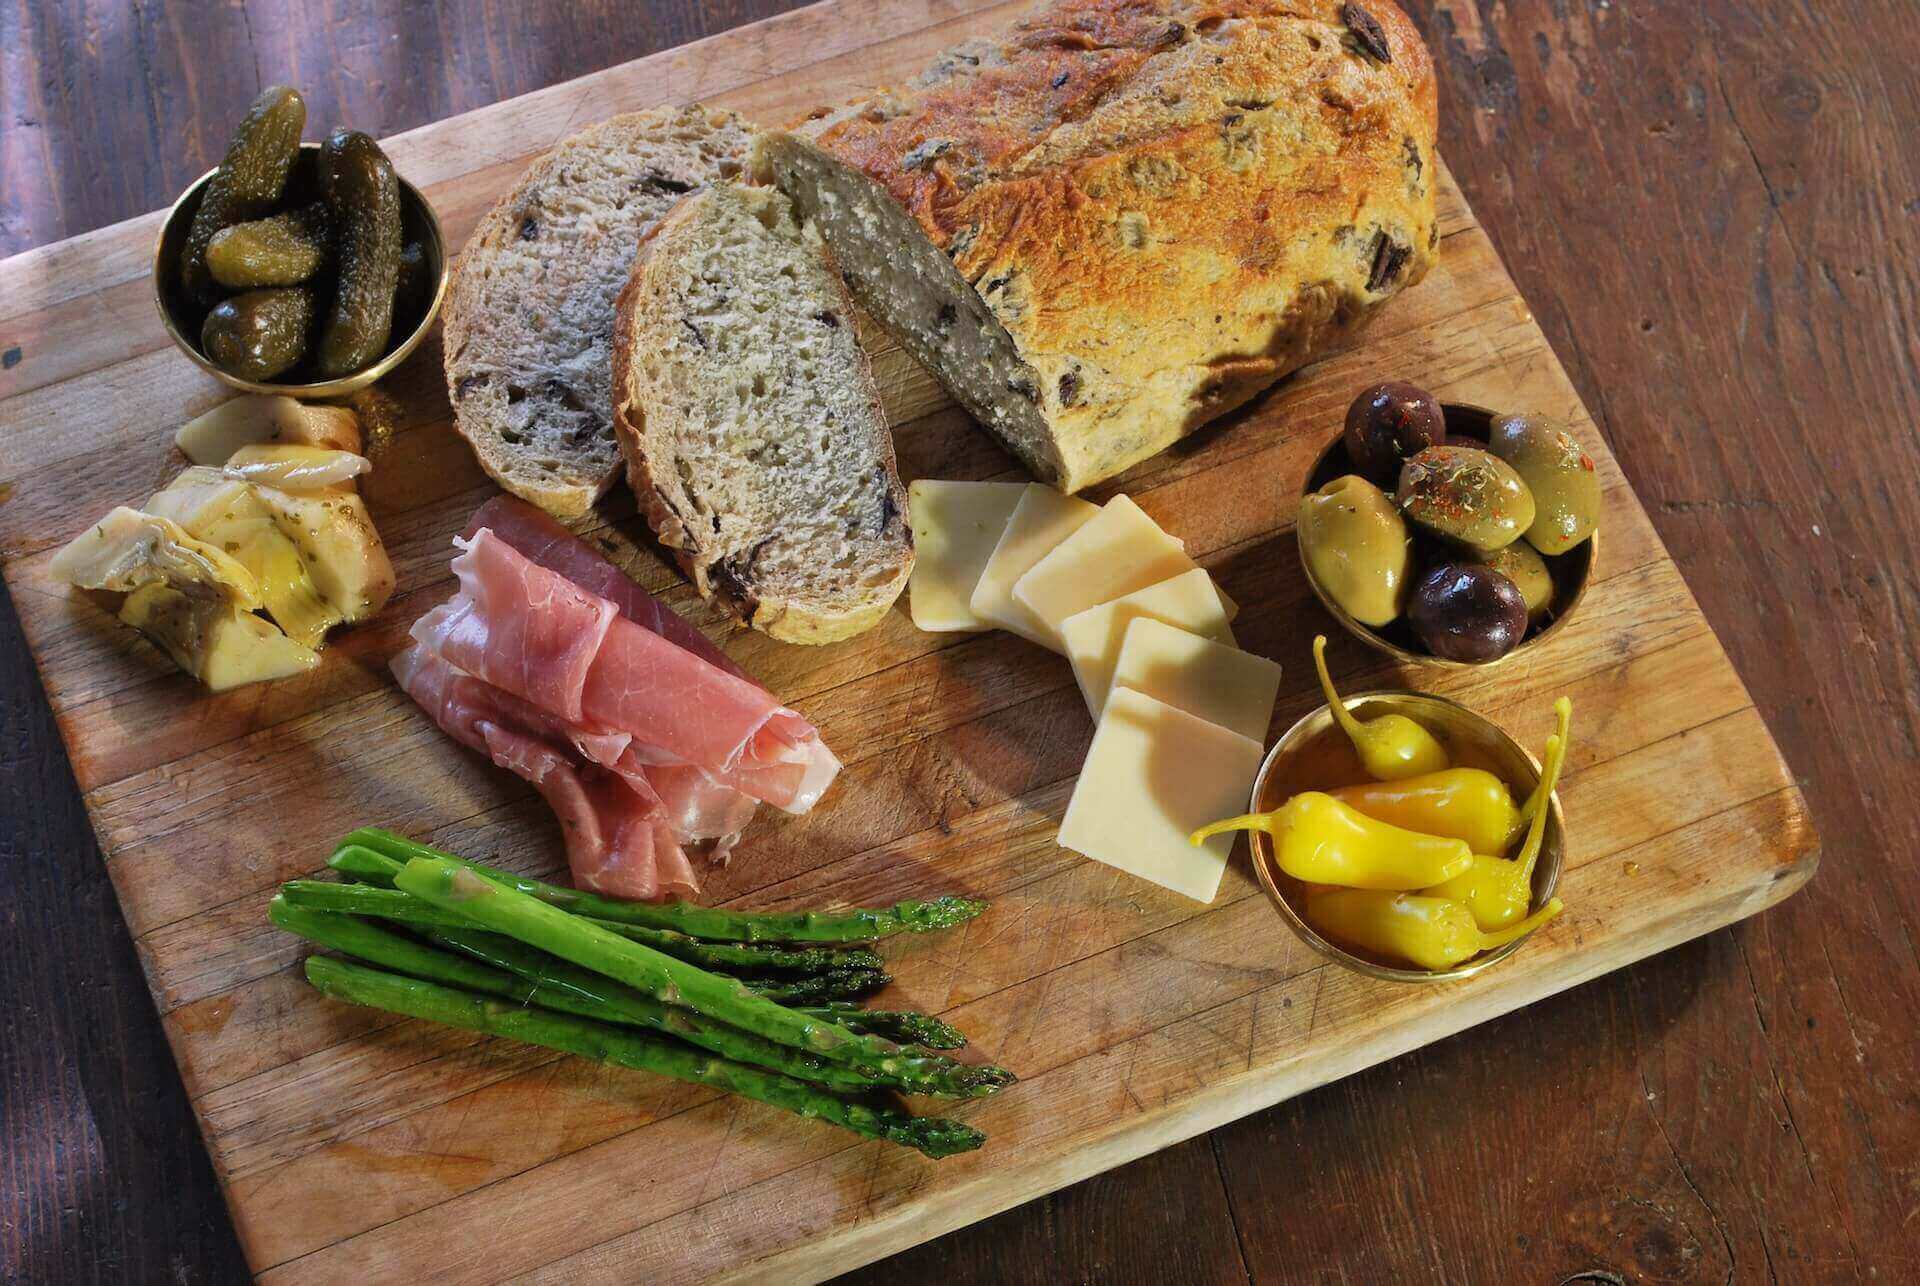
[(1715, 211)]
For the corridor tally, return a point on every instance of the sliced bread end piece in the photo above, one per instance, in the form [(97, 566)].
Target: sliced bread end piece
[(750, 423), (530, 312)]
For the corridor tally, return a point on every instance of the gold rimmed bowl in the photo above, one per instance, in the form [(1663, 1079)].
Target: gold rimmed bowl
[(183, 318), (1571, 571), (1315, 754)]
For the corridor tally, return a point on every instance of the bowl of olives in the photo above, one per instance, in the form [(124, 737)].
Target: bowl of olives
[(305, 269), (1449, 534)]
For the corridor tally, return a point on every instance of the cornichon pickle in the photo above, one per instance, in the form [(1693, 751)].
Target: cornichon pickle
[(363, 203), (281, 250), (415, 285), (248, 182), (259, 334)]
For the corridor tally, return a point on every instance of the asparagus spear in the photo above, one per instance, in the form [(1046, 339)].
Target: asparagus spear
[(575, 992), (907, 1026), (710, 923), (391, 904), (454, 885), (356, 984), (818, 988)]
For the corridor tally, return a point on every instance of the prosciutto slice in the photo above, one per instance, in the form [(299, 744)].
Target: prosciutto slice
[(542, 540), (642, 744), (587, 663), (620, 833)]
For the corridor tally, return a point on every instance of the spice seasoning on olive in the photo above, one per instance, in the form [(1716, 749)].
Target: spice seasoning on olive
[(259, 334), (1466, 495), (1388, 423), (1357, 547), (1467, 612), (1559, 472), (1522, 564)]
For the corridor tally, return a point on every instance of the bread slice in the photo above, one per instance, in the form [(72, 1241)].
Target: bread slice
[(529, 315), (750, 423)]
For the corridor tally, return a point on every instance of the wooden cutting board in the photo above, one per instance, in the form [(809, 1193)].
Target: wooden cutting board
[(352, 1146)]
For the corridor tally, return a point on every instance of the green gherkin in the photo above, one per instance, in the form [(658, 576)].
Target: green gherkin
[(280, 250), (260, 334), (362, 197), (247, 183)]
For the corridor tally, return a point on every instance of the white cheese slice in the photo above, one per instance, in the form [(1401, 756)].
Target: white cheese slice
[(1041, 520), (1153, 776), (1093, 637), (955, 528), (1222, 685), (1116, 552)]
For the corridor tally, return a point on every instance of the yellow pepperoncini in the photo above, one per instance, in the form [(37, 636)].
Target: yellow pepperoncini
[(1320, 840), (1390, 747), (1426, 932), (1498, 890), (1468, 804)]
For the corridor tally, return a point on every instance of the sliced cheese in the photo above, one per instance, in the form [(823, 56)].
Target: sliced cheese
[(956, 526), (1153, 776), (1116, 552), (1093, 637), (1041, 520), (1222, 685)]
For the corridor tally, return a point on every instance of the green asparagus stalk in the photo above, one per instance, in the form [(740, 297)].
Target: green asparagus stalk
[(563, 988), (710, 923), (356, 984), (818, 988), (454, 885), (727, 957), (907, 1026)]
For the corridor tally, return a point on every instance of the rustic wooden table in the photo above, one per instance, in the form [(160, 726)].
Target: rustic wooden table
[(1714, 210)]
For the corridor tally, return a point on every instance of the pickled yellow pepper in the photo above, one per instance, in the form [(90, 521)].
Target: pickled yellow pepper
[(1468, 804), (1426, 932), (1499, 890), (1320, 840), (1392, 746)]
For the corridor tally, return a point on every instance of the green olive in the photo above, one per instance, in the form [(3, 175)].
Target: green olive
[(1565, 485), (1357, 546), (1465, 495), (1522, 564)]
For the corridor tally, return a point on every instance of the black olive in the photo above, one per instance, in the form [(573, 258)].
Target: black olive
[(1388, 423), (1467, 612)]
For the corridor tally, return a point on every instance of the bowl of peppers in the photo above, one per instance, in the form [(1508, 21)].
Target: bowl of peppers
[(1406, 837)]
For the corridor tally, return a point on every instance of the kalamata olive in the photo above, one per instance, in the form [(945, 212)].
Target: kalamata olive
[(1467, 495), (1565, 485), (1357, 546), (1388, 423), (1466, 612), (1522, 564)]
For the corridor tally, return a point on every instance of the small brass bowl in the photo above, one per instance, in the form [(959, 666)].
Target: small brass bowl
[(1571, 571), (1315, 755), (183, 318)]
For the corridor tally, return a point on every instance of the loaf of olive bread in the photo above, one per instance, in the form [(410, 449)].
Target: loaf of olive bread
[(750, 423), (530, 310), (1122, 218)]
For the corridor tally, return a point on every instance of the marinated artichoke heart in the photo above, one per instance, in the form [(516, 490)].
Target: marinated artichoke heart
[(335, 537), (215, 642), (129, 549), (224, 511), (297, 468), (192, 599), (259, 419)]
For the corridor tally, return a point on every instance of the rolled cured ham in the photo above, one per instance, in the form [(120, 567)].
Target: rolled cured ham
[(640, 744)]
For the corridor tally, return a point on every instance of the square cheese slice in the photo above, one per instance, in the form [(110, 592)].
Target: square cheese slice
[(1222, 685), (1041, 520), (1153, 776), (955, 528), (1117, 551), (1093, 637)]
